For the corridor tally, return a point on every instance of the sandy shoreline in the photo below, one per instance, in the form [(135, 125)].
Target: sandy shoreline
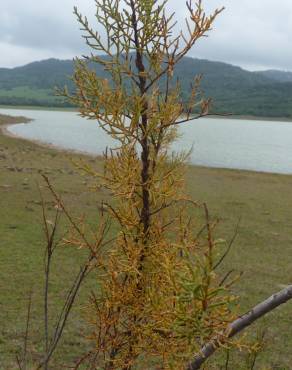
[(4, 130), (223, 116), (254, 118)]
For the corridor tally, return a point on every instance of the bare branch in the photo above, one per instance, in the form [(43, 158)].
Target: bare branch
[(24, 361), (240, 324), (229, 246)]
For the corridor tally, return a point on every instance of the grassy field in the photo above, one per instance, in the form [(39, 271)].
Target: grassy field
[(26, 93), (28, 96), (33, 107), (262, 250), (19, 92)]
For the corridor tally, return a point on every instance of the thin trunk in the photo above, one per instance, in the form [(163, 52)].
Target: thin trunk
[(145, 212), (144, 141), (46, 299)]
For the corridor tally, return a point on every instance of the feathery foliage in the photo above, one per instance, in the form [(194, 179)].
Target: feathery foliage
[(158, 298)]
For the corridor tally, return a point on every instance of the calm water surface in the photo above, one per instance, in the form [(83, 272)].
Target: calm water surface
[(242, 144)]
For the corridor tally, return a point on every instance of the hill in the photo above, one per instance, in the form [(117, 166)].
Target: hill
[(233, 89), (33, 84), (276, 75)]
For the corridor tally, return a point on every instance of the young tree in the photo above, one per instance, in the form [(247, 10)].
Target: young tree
[(159, 299)]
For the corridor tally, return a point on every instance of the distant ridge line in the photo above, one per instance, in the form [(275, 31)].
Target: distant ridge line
[(232, 88)]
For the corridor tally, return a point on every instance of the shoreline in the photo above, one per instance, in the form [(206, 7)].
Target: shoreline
[(218, 116), (254, 118), (23, 120)]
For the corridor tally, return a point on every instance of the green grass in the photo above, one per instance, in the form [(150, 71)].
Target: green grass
[(27, 96), (25, 91), (262, 250), (46, 108)]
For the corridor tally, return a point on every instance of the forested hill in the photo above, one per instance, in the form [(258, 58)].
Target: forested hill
[(233, 89), (280, 76)]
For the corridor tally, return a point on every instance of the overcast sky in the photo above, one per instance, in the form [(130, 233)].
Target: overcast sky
[(254, 34)]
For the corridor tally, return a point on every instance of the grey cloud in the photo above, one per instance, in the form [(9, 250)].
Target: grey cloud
[(251, 33), (38, 29)]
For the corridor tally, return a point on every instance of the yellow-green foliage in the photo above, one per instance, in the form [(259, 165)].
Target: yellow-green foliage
[(159, 297)]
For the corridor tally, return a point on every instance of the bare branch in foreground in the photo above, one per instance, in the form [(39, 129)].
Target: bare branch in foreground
[(22, 362), (241, 323), (51, 343)]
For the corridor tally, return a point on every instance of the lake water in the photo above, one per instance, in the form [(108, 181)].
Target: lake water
[(242, 144)]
